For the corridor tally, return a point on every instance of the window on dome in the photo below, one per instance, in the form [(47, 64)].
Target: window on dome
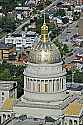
[(46, 87), (33, 86), (57, 81), (38, 87), (53, 85)]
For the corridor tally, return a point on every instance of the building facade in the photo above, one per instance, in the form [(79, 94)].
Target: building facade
[(44, 82), (73, 114), (8, 89), (21, 40), (6, 51)]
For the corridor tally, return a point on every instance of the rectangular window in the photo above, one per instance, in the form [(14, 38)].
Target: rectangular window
[(46, 87), (33, 86), (38, 87), (53, 86)]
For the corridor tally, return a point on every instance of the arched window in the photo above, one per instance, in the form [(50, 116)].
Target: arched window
[(70, 122), (75, 122)]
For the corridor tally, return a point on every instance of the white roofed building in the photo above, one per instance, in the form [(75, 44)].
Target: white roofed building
[(22, 39)]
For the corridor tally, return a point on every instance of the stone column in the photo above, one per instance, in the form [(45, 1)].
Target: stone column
[(42, 82), (59, 85), (50, 86), (55, 86), (36, 86), (64, 82), (25, 80)]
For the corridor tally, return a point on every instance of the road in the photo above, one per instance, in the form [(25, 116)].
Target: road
[(67, 33), (28, 20), (51, 5)]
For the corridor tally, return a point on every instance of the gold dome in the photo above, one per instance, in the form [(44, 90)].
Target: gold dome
[(44, 51)]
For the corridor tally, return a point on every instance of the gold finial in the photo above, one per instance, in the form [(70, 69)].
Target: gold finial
[(44, 29)]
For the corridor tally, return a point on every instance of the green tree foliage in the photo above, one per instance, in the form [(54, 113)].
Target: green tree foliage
[(7, 23), (63, 48), (13, 72), (40, 5), (77, 76), (60, 12), (7, 5)]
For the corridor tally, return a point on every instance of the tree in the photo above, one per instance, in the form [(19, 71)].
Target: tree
[(7, 23), (60, 12), (5, 74), (65, 49), (15, 73)]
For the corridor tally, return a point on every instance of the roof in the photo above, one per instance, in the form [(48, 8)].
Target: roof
[(73, 109), (22, 8), (7, 85)]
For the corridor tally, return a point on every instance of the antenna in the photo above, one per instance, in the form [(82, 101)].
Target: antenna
[(44, 11)]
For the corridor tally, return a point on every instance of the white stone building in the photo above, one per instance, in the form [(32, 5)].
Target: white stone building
[(44, 82), (8, 89), (22, 12), (8, 92), (73, 114), (25, 40)]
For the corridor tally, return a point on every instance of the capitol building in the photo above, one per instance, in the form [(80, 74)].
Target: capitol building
[(45, 100), (44, 82)]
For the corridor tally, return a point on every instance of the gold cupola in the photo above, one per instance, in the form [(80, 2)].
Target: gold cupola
[(44, 32)]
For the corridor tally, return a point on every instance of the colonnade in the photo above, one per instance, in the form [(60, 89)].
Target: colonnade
[(42, 85), (72, 122)]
